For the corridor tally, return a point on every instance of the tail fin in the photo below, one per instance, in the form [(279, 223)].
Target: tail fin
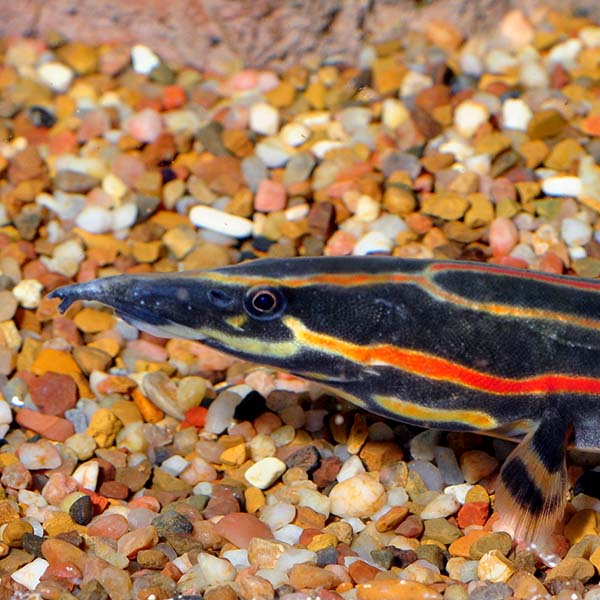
[(531, 492)]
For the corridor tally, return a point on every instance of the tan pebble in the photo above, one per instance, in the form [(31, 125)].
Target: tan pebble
[(476, 465), (500, 541), (545, 124), (147, 252), (395, 589), (90, 320), (446, 205), (581, 524), (526, 586), (263, 554), (358, 434), (14, 531), (306, 576), (477, 494), (236, 455), (252, 587), (307, 518), (321, 541), (108, 345), (62, 523), (126, 411), (103, 427), (391, 519), (572, 568), (56, 550), (10, 334), (495, 567), (377, 454), (91, 359), (341, 530), (255, 499), (398, 200), (481, 211)]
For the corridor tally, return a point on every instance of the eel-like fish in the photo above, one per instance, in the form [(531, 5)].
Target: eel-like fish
[(444, 344)]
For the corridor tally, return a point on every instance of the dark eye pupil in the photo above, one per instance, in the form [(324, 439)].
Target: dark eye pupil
[(264, 301)]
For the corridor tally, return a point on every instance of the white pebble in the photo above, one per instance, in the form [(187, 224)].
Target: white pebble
[(367, 208), (124, 216), (290, 534), (273, 152), (352, 467), (265, 472), (263, 119), (86, 475), (216, 570), (313, 499), (516, 114), (423, 444), (277, 515), (413, 83), (459, 491), (276, 577), (469, 116), (88, 166), (566, 53), (238, 558), (95, 219), (359, 496), (295, 556), (28, 292), (57, 76), (397, 496), (442, 506), (39, 455), (562, 185), (114, 186), (533, 75), (29, 575), (590, 36), (374, 241), (575, 232), (297, 212), (294, 134), (221, 222), (174, 465), (6, 416), (394, 113), (322, 147), (143, 59)]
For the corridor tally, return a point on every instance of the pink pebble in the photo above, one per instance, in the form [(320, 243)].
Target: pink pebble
[(16, 476), (239, 528), (341, 243), (267, 423), (270, 196), (109, 526), (145, 126), (51, 427), (146, 350), (58, 487), (95, 123), (128, 168), (244, 80), (551, 263), (267, 81), (503, 236)]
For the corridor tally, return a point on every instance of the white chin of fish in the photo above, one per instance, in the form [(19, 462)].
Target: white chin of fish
[(173, 330)]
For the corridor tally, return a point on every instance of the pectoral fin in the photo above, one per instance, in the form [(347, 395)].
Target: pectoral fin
[(531, 492)]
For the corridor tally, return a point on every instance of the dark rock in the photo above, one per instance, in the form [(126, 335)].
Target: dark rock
[(92, 590), (492, 591), (172, 522), (251, 406), (33, 544), (327, 556), (307, 458), (82, 510)]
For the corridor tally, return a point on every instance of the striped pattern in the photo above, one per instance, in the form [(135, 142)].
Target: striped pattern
[(459, 346)]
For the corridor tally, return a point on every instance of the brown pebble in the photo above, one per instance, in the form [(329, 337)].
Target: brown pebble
[(306, 576)]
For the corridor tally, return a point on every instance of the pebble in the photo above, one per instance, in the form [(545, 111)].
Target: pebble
[(357, 496), (220, 222), (264, 473), (56, 76), (469, 116), (263, 119), (30, 575), (143, 59)]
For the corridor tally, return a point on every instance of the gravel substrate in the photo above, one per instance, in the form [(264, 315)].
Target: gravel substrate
[(137, 467)]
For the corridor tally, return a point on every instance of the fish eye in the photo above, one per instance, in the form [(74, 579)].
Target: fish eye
[(264, 303)]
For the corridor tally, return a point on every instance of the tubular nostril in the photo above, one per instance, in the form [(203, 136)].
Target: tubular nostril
[(219, 298)]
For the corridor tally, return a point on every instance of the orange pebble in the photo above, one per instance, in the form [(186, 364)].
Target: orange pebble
[(196, 416), (473, 513), (173, 96), (150, 413), (462, 546)]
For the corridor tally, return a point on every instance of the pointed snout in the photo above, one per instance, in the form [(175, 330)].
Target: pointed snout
[(163, 304)]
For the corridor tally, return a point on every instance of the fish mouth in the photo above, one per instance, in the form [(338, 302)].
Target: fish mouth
[(162, 306)]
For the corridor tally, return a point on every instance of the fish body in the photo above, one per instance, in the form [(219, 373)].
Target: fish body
[(443, 344)]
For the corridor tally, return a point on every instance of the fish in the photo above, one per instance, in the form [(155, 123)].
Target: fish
[(451, 345)]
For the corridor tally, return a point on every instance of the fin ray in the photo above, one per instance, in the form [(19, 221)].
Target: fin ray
[(531, 492)]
